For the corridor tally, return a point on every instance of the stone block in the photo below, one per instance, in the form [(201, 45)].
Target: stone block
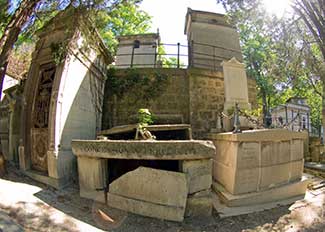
[(225, 153), (257, 159), (236, 181), (199, 204), (274, 175), (297, 149), (273, 153), (144, 149), (96, 195), (198, 174), (145, 208), (287, 191), (259, 135), (92, 176), (23, 165), (296, 171), (150, 192), (248, 155)]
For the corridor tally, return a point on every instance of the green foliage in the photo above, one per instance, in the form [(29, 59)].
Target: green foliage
[(144, 86), (112, 18), (59, 51), (4, 14), (124, 19), (279, 55), (145, 117), (167, 62)]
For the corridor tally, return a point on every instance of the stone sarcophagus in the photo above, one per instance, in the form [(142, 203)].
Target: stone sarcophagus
[(163, 179), (258, 161)]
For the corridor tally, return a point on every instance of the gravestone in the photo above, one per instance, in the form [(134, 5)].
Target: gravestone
[(236, 92), (235, 84)]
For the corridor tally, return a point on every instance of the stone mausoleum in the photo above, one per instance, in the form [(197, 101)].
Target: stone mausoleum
[(79, 122)]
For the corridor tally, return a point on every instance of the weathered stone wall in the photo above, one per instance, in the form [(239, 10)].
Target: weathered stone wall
[(172, 106), (206, 100), (194, 96)]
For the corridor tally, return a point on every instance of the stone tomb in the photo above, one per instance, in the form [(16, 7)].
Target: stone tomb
[(61, 99), (147, 191), (258, 166)]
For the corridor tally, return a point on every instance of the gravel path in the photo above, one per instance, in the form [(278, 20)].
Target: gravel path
[(36, 207)]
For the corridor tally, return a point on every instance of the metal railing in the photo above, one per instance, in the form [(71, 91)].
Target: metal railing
[(178, 56), (210, 56), (158, 58)]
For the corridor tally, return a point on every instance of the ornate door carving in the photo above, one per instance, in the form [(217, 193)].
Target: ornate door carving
[(40, 118)]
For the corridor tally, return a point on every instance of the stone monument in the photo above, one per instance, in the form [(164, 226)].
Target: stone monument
[(139, 51), (211, 39), (235, 84), (62, 97), (236, 92)]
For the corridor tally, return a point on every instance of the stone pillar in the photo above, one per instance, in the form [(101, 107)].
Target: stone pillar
[(199, 181), (4, 130), (92, 177), (23, 165), (14, 128)]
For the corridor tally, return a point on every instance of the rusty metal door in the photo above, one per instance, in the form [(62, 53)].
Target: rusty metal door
[(40, 118)]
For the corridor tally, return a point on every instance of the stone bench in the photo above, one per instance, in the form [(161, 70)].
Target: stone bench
[(136, 191)]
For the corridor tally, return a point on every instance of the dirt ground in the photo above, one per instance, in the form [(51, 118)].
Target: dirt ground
[(36, 207)]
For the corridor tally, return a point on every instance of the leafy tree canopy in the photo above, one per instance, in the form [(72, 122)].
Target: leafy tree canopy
[(279, 53), (111, 17)]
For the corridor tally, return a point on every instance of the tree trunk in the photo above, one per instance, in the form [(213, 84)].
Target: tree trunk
[(265, 108), (323, 101), (11, 33)]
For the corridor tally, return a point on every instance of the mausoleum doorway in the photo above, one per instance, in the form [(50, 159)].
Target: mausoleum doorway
[(40, 118)]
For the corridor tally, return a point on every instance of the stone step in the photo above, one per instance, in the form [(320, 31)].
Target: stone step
[(314, 168), (283, 192)]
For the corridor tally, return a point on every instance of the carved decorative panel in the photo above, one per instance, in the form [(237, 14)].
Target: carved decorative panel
[(40, 119), (39, 149), (42, 100)]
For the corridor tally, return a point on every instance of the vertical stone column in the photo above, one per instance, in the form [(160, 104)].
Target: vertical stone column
[(92, 177), (199, 180)]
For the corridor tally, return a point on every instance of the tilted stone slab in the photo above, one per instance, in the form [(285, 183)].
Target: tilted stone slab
[(150, 192), (144, 149)]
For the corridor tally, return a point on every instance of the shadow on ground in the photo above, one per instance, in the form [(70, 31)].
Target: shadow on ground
[(43, 215)]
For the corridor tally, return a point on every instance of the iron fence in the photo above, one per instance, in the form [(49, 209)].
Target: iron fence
[(210, 56), (178, 56), (156, 58)]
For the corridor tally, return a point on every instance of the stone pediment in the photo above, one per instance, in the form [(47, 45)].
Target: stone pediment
[(233, 62)]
